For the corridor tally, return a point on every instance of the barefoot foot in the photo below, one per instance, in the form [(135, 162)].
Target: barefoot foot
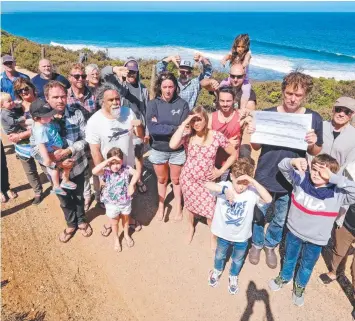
[(160, 213), (178, 216), (117, 246)]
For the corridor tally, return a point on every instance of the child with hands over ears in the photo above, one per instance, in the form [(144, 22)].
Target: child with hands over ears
[(117, 192), (233, 217), (317, 196)]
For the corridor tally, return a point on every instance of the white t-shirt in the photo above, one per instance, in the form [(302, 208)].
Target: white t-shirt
[(233, 222), (112, 133)]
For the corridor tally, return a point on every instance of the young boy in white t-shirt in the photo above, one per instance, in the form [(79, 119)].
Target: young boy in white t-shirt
[(233, 217)]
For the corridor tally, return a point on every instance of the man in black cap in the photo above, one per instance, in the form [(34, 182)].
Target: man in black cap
[(9, 75)]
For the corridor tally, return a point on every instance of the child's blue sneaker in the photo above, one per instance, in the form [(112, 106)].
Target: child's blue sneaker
[(213, 278), (59, 191), (233, 284), (68, 185)]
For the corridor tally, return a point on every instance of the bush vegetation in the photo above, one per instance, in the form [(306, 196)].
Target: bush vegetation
[(28, 53)]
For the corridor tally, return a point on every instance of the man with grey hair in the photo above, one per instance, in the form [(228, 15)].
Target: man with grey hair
[(112, 126), (46, 74), (92, 77)]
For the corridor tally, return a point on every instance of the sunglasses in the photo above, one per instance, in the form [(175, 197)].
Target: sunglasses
[(8, 63), (345, 110), (236, 76), (23, 90), (132, 72), (77, 77), (185, 72)]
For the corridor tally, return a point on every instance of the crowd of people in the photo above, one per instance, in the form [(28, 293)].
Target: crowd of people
[(89, 133)]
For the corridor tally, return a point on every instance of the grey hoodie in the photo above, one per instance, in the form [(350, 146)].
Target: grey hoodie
[(342, 148)]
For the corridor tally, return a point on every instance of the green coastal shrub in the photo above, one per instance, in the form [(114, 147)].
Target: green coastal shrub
[(268, 93)]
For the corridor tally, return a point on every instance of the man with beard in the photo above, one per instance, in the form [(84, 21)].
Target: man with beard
[(46, 74), (189, 87), (134, 95), (112, 126)]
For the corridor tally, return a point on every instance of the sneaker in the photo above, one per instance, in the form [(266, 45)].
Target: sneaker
[(277, 283), (233, 284), (59, 191), (298, 295), (213, 278), (271, 258), (37, 199), (254, 255), (68, 185)]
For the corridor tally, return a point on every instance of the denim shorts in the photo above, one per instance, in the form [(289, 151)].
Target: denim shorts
[(175, 158)]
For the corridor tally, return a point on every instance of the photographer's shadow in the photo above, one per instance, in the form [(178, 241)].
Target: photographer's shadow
[(253, 295)]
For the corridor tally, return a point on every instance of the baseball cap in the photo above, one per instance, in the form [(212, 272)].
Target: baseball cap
[(132, 65), (7, 58), (39, 108), (345, 102), (185, 63)]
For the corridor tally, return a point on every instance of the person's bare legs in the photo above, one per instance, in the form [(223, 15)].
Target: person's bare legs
[(175, 171), (213, 237), (125, 220), (191, 221), (54, 174), (162, 172), (114, 225)]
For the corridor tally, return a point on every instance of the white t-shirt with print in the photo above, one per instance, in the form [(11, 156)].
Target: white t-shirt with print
[(233, 221), (112, 133)]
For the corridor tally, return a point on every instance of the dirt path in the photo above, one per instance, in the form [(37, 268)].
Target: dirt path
[(159, 279)]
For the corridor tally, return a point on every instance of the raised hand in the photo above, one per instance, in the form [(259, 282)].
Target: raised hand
[(300, 164)]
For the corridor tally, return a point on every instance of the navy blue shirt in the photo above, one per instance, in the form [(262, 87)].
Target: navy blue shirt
[(40, 83), (169, 117), (267, 171)]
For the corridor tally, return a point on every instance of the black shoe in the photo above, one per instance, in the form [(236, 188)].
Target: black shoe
[(37, 200)]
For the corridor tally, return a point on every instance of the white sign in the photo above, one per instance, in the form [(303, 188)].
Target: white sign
[(281, 129)]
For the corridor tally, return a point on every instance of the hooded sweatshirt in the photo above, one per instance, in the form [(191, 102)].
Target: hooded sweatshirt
[(341, 148), (313, 210), (169, 117)]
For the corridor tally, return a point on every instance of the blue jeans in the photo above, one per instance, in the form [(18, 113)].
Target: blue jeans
[(273, 234), (238, 254), (308, 255)]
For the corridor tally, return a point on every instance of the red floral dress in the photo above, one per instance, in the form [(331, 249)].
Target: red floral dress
[(200, 162)]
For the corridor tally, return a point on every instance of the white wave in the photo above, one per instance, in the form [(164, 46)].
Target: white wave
[(275, 63)]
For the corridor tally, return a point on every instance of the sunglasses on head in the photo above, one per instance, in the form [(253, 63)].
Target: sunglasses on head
[(236, 76), (8, 63), (345, 110), (77, 77), (22, 90)]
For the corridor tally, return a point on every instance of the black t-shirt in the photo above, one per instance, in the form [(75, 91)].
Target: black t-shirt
[(267, 172), (336, 134), (238, 97), (349, 221)]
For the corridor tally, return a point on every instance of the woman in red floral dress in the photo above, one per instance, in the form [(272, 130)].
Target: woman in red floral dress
[(201, 145)]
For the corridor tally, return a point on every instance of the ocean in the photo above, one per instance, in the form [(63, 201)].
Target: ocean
[(320, 44)]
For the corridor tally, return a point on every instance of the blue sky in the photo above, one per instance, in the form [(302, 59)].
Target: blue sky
[(309, 6)]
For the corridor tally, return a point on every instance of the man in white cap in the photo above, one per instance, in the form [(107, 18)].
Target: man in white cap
[(9, 75), (189, 87), (338, 134)]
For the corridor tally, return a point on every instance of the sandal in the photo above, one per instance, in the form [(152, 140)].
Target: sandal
[(129, 242), (3, 198), (11, 194), (107, 231), (142, 188), (87, 230), (66, 236), (136, 226), (325, 279)]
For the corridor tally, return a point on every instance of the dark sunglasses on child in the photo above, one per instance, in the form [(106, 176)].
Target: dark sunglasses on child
[(22, 90), (236, 76), (77, 76), (345, 110)]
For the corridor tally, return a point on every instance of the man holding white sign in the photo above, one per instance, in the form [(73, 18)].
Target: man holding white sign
[(290, 130)]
